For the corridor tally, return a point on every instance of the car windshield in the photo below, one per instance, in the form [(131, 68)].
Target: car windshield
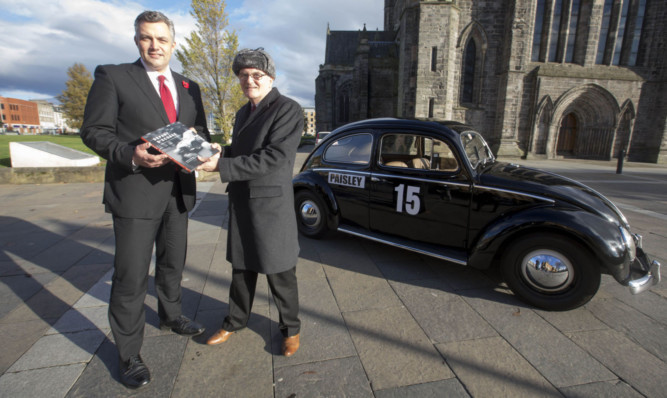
[(477, 151)]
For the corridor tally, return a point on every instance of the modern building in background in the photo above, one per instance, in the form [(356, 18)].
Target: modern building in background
[(60, 120), (19, 116), (32, 117), (47, 116), (539, 78)]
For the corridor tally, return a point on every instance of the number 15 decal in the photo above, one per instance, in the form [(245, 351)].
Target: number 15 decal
[(408, 199)]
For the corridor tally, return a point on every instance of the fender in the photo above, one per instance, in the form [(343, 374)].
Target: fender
[(317, 184), (589, 229)]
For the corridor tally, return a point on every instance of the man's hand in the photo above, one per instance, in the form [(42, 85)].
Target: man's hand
[(210, 164), (142, 158)]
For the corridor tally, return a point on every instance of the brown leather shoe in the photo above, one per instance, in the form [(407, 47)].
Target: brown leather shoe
[(290, 345), (219, 337)]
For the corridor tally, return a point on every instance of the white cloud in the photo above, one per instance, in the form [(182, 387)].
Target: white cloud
[(294, 33), (41, 39)]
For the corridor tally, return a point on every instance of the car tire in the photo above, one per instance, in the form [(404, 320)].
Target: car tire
[(551, 272), (311, 214)]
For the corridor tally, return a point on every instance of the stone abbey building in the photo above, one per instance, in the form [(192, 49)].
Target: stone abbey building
[(538, 78)]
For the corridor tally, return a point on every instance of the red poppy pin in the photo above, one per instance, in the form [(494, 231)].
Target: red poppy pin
[(186, 84)]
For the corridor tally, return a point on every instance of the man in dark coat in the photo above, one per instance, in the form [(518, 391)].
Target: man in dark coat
[(147, 195), (262, 236)]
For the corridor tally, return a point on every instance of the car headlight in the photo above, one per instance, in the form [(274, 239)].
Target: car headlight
[(629, 242)]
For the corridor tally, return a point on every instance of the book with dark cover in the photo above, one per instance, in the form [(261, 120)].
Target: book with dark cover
[(181, 144)]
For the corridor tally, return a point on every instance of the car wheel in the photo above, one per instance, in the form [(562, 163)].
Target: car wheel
[(551, 272), (311, 214)]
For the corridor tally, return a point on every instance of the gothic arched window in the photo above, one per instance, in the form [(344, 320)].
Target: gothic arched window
[(618, 43), (468, 72)]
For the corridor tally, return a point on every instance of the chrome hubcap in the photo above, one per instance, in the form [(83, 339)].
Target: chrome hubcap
[(310, 214), (547, 270)]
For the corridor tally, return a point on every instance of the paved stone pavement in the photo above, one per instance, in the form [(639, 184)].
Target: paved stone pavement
[(377, 321)]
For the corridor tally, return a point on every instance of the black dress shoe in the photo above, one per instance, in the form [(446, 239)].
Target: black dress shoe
[(134, 373), (183, 326)]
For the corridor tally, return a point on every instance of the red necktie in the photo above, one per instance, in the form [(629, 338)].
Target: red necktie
[(167, 100)]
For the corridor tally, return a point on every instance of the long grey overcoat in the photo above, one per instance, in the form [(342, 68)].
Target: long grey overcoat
[(258, 166)]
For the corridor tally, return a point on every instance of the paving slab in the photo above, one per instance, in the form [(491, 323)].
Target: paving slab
[(356, 281), (240, 367), (406, 270), (393, 348), (54, 381), (100, 378), (442, 314), (576, 320), (555, 356), (60, 349), (82, 319), (492, 368), (15, 290), (343, 377), (98, 294), (603, 389), (629, 361), (647, 332), (324, 334), (459, 277), (450, 388), (17, 338)]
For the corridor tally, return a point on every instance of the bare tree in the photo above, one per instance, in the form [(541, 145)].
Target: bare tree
[(207, 58)]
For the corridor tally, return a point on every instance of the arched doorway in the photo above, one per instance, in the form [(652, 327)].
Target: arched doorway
[(567, 135), (584, 123)]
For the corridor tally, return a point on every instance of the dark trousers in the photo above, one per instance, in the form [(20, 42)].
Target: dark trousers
[(285, 293), (135, 238)]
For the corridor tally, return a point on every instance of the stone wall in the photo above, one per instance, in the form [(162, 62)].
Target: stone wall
[(517, 104)]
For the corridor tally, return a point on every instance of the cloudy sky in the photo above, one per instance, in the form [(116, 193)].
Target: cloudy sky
[(42, 38)]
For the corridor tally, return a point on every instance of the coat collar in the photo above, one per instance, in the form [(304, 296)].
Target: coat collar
[(248, 117)]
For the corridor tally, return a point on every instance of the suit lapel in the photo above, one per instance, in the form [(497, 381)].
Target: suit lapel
[(243, 116), (140, 76), (180, 82)]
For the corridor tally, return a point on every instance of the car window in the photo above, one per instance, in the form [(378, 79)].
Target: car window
[(350, 149), (477, 150), (442, 157), (417, 152)]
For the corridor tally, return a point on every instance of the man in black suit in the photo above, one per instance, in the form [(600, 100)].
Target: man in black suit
[(258, 165), (148, 195)]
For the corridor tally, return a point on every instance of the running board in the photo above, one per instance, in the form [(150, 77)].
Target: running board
[(439, 252)]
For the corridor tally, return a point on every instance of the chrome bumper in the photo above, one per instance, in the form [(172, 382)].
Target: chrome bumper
[(652, 275), (651, 278)]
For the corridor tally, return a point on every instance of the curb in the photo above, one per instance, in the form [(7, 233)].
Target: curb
[(61, 175)]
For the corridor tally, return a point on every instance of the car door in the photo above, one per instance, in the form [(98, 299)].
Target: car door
[(419, 190), (347, 171)]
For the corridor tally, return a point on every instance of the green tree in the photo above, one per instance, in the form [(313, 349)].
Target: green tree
[(73, 98), (207, 59)]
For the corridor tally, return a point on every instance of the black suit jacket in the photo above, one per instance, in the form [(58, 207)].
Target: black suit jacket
[(122, 106)]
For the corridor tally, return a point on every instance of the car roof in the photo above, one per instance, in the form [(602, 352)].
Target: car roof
[(427, 124)]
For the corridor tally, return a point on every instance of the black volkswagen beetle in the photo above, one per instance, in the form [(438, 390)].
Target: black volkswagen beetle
[(435, 188)]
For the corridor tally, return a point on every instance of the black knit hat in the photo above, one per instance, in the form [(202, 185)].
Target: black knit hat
[(257, 58)]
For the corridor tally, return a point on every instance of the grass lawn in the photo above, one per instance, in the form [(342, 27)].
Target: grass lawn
[(70, 141)]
